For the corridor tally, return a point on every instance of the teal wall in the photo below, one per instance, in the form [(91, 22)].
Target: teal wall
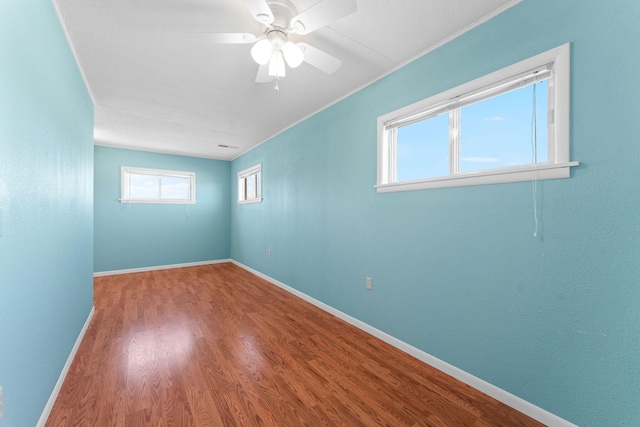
[(143, 235), (46, 210), (457, 272)]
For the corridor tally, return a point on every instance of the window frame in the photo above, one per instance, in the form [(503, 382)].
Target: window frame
[(242, 177), (556, 62), (126, 171)]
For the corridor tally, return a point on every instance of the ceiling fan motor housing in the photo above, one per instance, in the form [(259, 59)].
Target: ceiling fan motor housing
[(282, 11)]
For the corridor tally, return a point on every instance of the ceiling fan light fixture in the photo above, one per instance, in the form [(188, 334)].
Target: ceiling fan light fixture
[(292, 54), (261, 51), (276, 65)]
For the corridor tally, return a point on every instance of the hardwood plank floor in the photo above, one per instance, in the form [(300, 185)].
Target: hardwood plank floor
[(218, 346)]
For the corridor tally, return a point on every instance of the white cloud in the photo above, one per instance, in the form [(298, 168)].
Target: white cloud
[(494, 119)]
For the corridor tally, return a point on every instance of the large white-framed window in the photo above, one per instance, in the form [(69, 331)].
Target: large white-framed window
[(142, 185), (250, 184), (508, 126)]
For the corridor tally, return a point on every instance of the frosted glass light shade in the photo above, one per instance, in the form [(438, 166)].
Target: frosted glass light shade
[(261, 51), (276, 65), (292, 54)]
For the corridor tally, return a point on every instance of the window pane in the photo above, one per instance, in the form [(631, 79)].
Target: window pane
[(423, 149), (251, 187), (496, 132), (175, 188), (241, 187), (143, 186), (259, 185)]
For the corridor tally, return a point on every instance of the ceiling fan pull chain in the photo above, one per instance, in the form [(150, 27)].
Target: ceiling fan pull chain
[(277, 88)]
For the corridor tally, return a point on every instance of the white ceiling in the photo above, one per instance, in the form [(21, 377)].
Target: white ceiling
[(160, 84)]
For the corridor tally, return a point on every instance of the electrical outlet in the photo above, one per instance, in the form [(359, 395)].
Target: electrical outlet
[(0, 401), (369, 283)]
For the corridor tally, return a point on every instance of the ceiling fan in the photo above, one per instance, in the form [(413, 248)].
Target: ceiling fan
[(280, 18)]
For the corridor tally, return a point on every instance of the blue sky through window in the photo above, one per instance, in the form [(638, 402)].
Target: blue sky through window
[(495, 133), (144, 186), (423, 149), (148, 187), (251, 187), (176, 188)]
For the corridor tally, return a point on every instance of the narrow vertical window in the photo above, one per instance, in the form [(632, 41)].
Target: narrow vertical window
[(250, 185)]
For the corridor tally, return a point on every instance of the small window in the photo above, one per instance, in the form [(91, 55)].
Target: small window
[(250, 185), (508, 126), (141, 185)]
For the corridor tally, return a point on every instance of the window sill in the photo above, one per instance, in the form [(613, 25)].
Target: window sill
[(244, 202), (494, 176)]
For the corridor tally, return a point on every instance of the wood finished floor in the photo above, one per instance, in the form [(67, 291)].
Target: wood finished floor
[(218, 346)]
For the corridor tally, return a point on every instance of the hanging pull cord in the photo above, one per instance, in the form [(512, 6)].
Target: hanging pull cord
[(277, 88), (534, 159)]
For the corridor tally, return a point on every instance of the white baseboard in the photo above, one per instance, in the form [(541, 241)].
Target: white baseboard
[(159, 267), (527, 408), (54, 394)]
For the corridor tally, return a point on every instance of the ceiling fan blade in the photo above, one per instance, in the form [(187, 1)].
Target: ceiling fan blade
[(322, 13), (232, 38), (263, 74), (260, 10), (319, 59)]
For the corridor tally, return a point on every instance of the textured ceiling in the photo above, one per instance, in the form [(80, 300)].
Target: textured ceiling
[(160, 84)]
